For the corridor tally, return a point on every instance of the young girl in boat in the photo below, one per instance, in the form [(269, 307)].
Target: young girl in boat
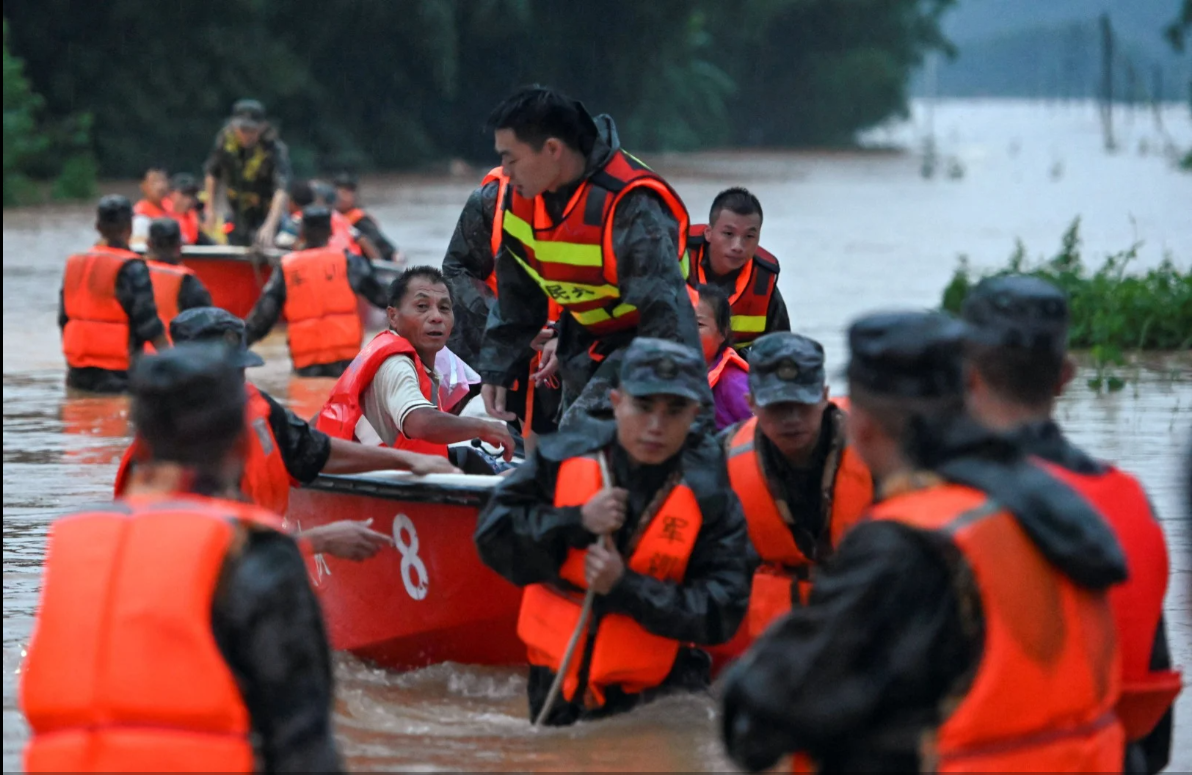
[(728, 373)]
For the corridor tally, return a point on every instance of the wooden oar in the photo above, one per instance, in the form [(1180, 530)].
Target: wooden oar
[(584, 614)]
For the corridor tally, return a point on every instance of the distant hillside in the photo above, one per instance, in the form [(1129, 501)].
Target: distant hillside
[(1052, 48)]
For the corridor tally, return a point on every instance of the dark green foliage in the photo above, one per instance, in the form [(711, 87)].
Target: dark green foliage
[(33, 148), (1112, 312), (382, 84)]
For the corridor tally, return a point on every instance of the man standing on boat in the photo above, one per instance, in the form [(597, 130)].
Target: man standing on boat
[(594, 229), (176, 288), (725, 252), (639, 514), (253, 164), (965, 624), (1017, 366), (800, 482), (283, 449), (470, 269), (106, 308), (390, 393), (316, 288), (177, 629)]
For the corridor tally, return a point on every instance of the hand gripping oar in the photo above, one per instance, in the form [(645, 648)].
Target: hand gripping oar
[(584, 614)]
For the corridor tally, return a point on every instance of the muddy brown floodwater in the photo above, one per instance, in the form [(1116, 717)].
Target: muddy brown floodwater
[(855, 232)]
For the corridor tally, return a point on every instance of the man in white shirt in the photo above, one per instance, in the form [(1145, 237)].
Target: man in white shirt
[(391, 393)]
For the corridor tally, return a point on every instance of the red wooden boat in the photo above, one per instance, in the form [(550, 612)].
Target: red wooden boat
[(429, 598), (235, 277)]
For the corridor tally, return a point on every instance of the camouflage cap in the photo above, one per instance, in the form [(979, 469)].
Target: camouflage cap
[(907, 354), (212, 324), (786, 367), (659, 367), (248, 113), (1017, 311)]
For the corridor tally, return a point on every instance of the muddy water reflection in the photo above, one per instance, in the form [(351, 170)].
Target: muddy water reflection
[(855, 232)]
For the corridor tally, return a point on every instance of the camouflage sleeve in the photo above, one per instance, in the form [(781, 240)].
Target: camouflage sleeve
[(193, 294), (134, 291), (777, 318), (364, 281), (467, 264), (304, 449), (513, 321), (281, 165), (645, 240), (266, 312), (214, 164)]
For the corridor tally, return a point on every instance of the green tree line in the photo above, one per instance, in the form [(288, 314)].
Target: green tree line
[(385, 84)]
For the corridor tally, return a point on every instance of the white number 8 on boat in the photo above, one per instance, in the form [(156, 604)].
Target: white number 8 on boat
[(402, 527)]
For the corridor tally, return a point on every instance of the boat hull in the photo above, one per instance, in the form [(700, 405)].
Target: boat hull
[(234, 283), (427, 599)]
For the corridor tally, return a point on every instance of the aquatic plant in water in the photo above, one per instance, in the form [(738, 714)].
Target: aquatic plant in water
[(1112, 312)]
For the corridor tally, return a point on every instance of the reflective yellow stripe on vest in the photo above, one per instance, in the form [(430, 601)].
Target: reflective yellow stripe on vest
[(749, 324), (565, 293), (549, 252)]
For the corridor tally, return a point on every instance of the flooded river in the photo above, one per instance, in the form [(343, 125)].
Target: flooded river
[(854, 231)]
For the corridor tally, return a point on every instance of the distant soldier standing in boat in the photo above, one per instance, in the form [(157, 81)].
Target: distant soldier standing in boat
[(725, 252), (640, 513), (253, 164), (106, 307), (177, 629), (1017, 367), (316, 287), (282, 449), (585, 224)]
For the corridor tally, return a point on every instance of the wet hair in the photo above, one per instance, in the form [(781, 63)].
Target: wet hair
[(154, 168), (301, 192), (1028, 377), (188, 403), (164, 236), (738, 200), (906, 419), (397, 289), (537, 113), (722, 310)]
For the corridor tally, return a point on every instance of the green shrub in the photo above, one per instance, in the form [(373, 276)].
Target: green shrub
[(1112, 312)]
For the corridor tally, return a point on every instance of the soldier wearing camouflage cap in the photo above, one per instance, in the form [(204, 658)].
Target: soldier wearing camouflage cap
[(963, 624), (802, 486), (106, 308), (282, 446), (1017, 368), (672, 568)]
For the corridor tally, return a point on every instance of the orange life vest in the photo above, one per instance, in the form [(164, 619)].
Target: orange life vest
[(783, 564), (750, 299), (167, 284), (265, 482), (344, 407), (123, 672), (729, 356), (149, 210), (188, 223), (341, 234), (624, 653), (1138, 603), (573, 260), (96, 332), (497, 175), (321, 307), (355, 215), (1043, 695)]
